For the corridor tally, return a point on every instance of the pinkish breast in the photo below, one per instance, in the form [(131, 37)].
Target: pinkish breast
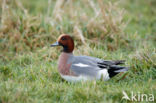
[(63, 66)]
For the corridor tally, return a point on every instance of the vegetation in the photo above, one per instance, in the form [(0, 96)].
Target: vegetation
[(107, 29)]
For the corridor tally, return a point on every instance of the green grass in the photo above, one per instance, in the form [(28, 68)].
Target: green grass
[(28, 66)]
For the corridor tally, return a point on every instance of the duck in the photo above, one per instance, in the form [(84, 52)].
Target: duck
[(83, 68)]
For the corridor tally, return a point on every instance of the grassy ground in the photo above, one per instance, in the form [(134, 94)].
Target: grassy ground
[(28, 66)]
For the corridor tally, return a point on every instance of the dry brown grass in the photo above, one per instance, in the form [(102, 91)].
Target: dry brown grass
[(22, 31)]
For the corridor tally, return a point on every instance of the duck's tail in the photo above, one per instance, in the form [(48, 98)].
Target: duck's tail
[(115, 69)]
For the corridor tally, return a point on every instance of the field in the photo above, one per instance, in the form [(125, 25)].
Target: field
[(107, 29)]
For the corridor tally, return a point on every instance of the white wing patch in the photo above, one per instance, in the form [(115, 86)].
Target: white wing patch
[(81, 65)]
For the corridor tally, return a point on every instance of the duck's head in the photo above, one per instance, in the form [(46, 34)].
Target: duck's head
[(66, 42)]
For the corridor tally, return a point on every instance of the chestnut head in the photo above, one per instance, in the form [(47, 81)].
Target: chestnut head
[(66, 42)]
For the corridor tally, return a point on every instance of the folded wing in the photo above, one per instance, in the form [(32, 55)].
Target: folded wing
[(90, 66)]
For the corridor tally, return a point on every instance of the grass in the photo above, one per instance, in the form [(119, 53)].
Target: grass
[(28, 66)]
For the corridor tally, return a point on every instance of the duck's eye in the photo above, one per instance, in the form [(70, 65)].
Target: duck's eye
[(63, 38)]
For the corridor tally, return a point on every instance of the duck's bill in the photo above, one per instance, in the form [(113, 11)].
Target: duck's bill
[(55, 44)]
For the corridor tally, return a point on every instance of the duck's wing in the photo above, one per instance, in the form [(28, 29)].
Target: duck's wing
[(83, 65), (90, 66), (101, 61)]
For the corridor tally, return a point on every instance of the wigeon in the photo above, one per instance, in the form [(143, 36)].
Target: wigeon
[(81, 68)]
